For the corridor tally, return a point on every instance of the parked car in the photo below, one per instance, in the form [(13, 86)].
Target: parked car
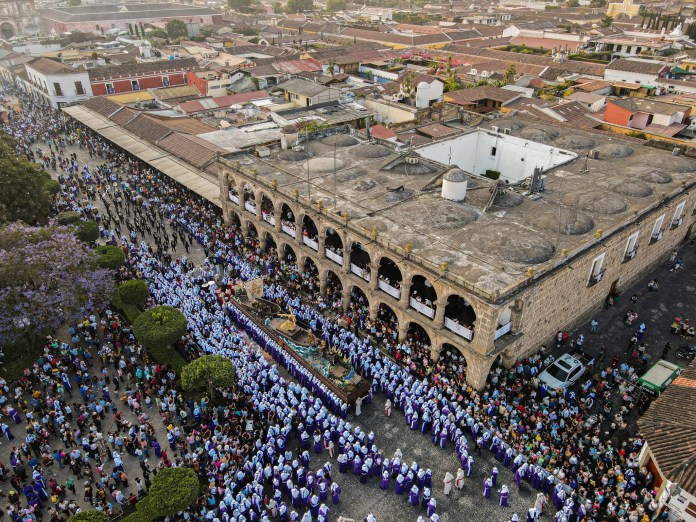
[(566, 370)]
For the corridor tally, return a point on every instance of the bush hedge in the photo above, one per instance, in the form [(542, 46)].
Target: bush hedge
[(109, 256), (68, 218), (93, 515), (172, 490), (134, 292), (87, 231), (131, 312), (207, 372), (157, 329)]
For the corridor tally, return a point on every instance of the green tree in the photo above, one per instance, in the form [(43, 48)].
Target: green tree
[(598, 3), (25, 190), (607, 21), (573, 3), (160, 327), (68, 218), (172, 490), (336, 5), (176, 29), (87, 231), (277, 7), (92, 515), (134, 292), (299, 6), (158, 33), (110, 256), (137, 32), (408, 88), (207, 373), (510, 74)]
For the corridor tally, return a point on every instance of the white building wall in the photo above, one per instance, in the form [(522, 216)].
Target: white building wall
[(68, 92), (515, 158), (611, 75), (426, 93)]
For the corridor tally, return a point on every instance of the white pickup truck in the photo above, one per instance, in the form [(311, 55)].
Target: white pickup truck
[(566, 370)]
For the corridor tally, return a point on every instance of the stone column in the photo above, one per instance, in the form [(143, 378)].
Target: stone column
[(439, 319), (346, 298), (298, 229), (405, 293), (477, 370), (374, 279), (320, 242), (323, 280), (435, 351), (403, 331), (374, 310)]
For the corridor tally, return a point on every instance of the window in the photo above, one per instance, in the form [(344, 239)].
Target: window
[(165, 81), (110, 88), (596, 271), (79, 89), (678, 217), (135, 85), (494, 150), (631, 247), (57, 88), (657, 230)]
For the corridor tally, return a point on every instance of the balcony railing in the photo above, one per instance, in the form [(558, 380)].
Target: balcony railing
[(386, 287), (360, 272), (250, 207), (269, 219), (461, 331), (234, 198), (630, 254), (657, 236), (502, 330), (333, 256), (677, 222), (290, 231), (314, 245), (423, 308)]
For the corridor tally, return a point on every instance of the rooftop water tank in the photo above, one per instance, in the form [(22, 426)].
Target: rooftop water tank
[(454, 185)]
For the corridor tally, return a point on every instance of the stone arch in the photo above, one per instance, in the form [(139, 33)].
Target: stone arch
[(251, 231), (333, 279), (390, 277), (333, 242), (267, 208), (233, 190), (460, 316), (7, 30), (385, 315), (288, 217), (423, 296), (359, 296), (234, 218), (309, 228), (455, 362), (248, 198), (309, 272), (287, 253), (270, 241), (360, 260)]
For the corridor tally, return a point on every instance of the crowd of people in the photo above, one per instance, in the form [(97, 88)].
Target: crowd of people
[(267, 446)]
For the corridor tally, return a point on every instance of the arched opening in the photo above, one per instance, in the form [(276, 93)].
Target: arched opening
[(289, 255), (386, 326), (270, 242), (504, 325), (310, 233), (460, 317), (423, 296), (334, 289), (233, 193), (415, 351), (249, 199), (452, 366), (389, 277), (287, 220), (234, 219), (310, 276), (252, 234), (267, 210), (334, 246), (359, 307), (360, 261), (7, 30)]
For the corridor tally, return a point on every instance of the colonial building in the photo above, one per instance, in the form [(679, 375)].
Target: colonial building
[(18, 17), (58, 83)]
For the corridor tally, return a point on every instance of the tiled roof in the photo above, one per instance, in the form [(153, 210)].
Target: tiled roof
[(637, 66), (102, 105), (47, 66), (303, 87), (134, 69), (576, 114), (191, 149), (187, 125), (123, 116), (296, 66), (110, 12), (147, 128), (175, 92), (669, 428), (220, 102), (483, 92), (437, 130)]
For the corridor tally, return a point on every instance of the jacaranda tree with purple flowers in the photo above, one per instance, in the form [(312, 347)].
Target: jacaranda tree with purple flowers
[(47, 277)]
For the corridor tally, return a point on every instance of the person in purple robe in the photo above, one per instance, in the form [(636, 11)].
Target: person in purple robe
[(156, 447), (323, 489), (384, 483), (314, 505), (494, 476), (504, 492), (432, 507), (414, 495), (500, 454), (487, 487), (357, 464), (443, 438), (399, 488), (428, 479), (335, 493), (426, 497)]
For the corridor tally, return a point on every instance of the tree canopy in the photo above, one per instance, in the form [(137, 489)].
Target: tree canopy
[(160, 327), (208, 372), (92, 515), (335, 5), (134, 292), (87, 231), (176, 29), (46, 277), (25, 189), (172, 490), (110, 256), (299, 6), (239, 5)]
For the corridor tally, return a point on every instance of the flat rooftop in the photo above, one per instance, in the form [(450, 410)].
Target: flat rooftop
[(489, 241)]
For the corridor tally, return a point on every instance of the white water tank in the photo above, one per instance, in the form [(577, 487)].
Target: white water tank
[(454, 185)]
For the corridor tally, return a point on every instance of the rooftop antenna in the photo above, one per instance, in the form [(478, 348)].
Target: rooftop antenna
[(585, 169)]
